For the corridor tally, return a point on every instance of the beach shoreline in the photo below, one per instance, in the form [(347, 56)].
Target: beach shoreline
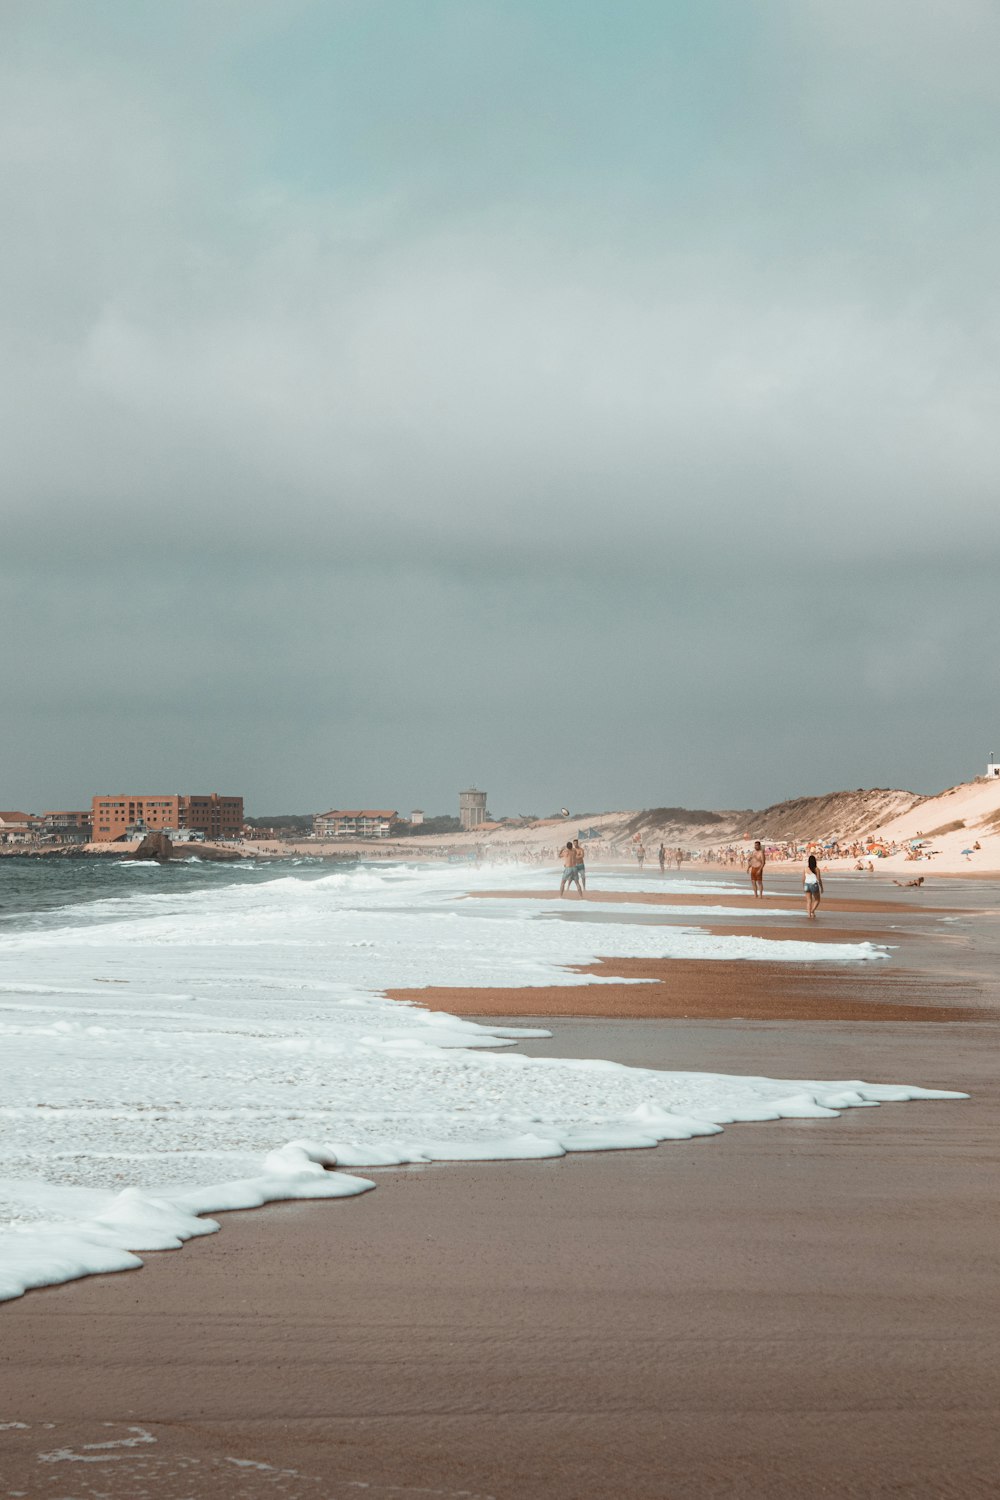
[(911, 987), (406, 851), (781, 1310), (751, 991)]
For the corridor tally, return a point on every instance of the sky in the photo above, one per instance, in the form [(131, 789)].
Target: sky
[(593, 401)]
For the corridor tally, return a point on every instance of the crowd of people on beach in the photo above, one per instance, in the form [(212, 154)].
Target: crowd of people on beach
[(572, 857), (754, 861)]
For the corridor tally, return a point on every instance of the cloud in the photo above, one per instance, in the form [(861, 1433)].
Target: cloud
[(461, 361), (475, 393)]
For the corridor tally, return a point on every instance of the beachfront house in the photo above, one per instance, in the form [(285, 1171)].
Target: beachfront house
[(67, 827), (17, 827), (363, 823)]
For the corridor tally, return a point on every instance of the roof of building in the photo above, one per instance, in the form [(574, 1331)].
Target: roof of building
[(16, 817), (366, 812), (133, 796)]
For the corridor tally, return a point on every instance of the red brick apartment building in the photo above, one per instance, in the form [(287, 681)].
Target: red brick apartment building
[(369, 823), (214, 816)]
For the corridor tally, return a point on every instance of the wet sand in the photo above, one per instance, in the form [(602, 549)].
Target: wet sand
[(876, 905), (750, 990), (721, 990), (783, 1311)]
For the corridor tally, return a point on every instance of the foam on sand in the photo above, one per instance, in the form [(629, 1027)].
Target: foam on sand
[(169, 1056)]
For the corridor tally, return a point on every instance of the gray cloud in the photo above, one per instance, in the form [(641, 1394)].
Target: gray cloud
[(397, 398)]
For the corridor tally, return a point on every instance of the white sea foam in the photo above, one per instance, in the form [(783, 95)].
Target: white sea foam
[(165, 1055)]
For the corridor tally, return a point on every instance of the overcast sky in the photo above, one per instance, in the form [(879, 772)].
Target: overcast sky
[(592, 400)]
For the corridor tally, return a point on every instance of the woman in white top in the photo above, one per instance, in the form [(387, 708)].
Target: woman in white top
[(813, 882)]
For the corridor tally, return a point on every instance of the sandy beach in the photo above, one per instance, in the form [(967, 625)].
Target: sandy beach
[(913, 987), (719, 990), (784, 1310), (492, 488), (878, 905)]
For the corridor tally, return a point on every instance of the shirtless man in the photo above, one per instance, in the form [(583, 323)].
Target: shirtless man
[(570, 874), (662, 856), (581, 863), (755, 868)]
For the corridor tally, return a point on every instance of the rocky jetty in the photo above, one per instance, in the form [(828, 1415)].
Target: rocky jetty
[(155, 845), (208, 852)]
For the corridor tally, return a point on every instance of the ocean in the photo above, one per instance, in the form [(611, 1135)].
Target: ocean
[(184, 1039)]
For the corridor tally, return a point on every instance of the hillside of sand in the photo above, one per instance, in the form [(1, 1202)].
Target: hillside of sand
[(835, 815), (947, 825), (891, 819)]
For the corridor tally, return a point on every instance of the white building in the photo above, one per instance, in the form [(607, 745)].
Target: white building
[(17, 827), (356, 823)]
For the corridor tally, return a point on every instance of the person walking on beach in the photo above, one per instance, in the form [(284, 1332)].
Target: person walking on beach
[(570, 875), (640, 854), (662, 858), (812, 880), (581, 863), (755, 869)]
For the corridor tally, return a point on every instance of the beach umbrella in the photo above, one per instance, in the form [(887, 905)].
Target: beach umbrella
[(968, 851)]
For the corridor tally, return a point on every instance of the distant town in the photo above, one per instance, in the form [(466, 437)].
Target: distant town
[(211, 817), (861, 830)]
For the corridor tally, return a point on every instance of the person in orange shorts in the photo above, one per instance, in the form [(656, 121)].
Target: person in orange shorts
[(755, 868)]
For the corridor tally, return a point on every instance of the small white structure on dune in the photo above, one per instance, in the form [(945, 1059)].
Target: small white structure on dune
[(992, 768)]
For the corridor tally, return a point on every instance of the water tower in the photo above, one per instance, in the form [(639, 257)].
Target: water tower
[(472, 808)]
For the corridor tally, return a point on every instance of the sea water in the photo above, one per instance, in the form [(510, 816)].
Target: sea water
[(180, 1040)]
